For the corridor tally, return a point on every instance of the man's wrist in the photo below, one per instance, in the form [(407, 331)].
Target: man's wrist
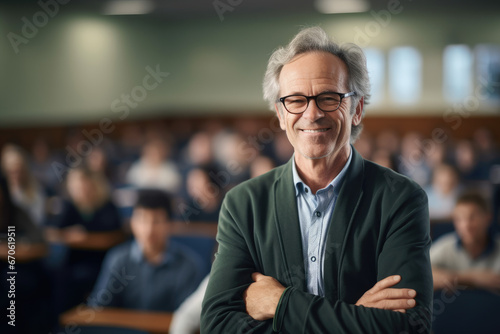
[(280, 309), (278, 296)]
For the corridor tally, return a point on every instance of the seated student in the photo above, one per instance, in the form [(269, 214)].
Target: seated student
[(155, 169), (443, 192), (471, 256), (26, 296), (156, 273), (25, 191), (204, 196), (88, 225)]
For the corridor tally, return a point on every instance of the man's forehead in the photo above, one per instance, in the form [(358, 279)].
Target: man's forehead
[(321, 67)]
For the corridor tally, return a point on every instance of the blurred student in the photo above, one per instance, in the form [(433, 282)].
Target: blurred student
[(233, 155), (29, 290), (29, 241), (41, 166), (98, 161), (470, 256), (25, 190), (156, 273), (388, 140), (199, 151), (485, 145), (154, 170), (204, 196), (443, 192), (383, 158), (437, 155), (88, 226), (467, 162), (412, 162)]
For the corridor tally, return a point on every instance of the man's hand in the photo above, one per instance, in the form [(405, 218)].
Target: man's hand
[(262, 296), (383, 297)]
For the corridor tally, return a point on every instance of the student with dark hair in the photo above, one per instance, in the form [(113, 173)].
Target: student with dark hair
[(470, 256), (154, 272)]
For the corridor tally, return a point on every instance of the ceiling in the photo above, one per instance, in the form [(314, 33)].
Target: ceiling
[(185, 9)]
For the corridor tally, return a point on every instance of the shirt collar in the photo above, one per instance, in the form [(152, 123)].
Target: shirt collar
[(300, 185), (137, 255)]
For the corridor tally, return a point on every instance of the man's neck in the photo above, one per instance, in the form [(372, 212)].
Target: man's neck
[(318, 173)]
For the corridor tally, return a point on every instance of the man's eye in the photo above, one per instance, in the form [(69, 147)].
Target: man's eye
[(330, 98)]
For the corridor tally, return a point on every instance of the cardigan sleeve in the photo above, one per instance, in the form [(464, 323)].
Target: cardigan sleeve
[(223, 309)]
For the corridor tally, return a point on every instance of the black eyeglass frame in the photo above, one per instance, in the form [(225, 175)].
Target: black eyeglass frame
[(314, 97)]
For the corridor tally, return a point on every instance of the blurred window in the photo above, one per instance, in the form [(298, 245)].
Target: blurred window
[(457, 72), (405, 75), (488, 71)]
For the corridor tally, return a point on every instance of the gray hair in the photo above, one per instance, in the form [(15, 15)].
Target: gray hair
[(316, 39)]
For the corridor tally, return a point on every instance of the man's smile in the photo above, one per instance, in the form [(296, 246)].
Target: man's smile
[(315, 130)]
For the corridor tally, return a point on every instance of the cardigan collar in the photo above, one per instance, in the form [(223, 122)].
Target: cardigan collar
[(335, 183), (288, 226)]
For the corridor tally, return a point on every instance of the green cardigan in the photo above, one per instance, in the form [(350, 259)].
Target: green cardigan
[(379, 227)]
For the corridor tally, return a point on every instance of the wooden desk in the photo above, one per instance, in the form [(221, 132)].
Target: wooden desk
[(152, 322)]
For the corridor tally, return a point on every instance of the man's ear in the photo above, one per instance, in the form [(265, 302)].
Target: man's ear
[(356, 118), (280, 117)]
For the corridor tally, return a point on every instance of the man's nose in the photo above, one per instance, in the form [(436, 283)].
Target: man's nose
[(312, 112)]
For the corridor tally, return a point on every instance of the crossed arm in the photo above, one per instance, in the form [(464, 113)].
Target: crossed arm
[(279, 304), (381, 309), (262, 296)]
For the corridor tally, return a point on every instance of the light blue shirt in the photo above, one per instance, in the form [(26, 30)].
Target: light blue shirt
[(315, 213)]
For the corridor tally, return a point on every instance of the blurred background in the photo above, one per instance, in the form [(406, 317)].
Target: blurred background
[(168, 94)]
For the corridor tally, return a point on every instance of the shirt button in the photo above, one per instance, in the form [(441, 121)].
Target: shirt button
[(318, 214), (313, 258), (307, 190)]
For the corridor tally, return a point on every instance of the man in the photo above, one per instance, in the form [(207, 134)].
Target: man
[(329, 242), (471, 256), (151, 272)]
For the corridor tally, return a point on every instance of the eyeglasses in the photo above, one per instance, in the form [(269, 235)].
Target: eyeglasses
[(328, 101)]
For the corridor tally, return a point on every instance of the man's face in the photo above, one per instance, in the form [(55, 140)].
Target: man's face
[(315, 134), (471, 223), (150, 228)]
